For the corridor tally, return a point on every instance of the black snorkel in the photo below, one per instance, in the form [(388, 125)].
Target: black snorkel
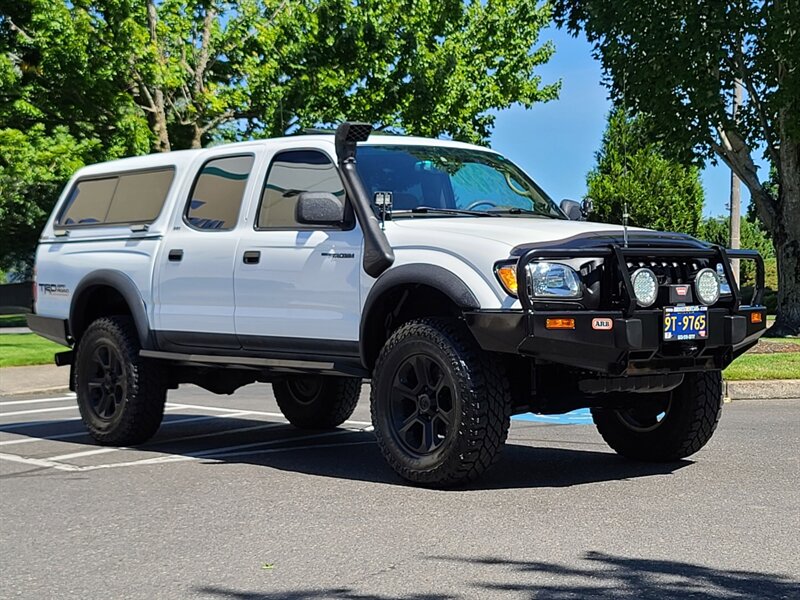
[(378, 254)]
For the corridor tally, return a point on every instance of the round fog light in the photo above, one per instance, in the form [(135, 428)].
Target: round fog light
[(707, 286), (645, 287)]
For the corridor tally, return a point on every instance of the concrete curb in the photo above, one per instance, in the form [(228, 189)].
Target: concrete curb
[(31, 380), (761, 390)]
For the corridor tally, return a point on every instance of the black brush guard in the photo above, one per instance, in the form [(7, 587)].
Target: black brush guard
[(634, 344)]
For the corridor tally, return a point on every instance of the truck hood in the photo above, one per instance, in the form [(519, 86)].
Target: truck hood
[(511, 231)]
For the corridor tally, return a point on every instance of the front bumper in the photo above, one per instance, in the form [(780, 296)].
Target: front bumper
[(633, 345)]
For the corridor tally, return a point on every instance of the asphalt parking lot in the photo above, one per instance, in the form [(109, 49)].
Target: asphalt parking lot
[(228, 501)]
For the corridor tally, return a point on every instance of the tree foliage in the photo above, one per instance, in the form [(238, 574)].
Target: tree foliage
[(631, 169), (198, 70), (100, 79), (678, 60), (33, 169)]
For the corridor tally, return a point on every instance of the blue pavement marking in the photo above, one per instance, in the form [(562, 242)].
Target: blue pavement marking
[(582, 416)]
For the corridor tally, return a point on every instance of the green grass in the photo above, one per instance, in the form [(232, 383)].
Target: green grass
[(13, 321), (784, 365), (23, 349)]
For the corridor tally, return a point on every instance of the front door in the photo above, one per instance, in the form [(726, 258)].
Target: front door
[(297, 286), (195, 274)]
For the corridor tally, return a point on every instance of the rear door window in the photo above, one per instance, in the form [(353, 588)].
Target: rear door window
[(217, 193)]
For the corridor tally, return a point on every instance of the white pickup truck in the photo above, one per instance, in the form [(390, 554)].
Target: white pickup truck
[(435, 269)]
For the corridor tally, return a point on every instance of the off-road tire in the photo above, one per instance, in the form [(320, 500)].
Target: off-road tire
[(138, 414), (481, 403), (694, 409), (317, 401)]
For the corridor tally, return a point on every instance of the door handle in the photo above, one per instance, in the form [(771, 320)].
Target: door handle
[(251, 257), (175, 255)]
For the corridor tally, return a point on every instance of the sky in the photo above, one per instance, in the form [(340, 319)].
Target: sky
[(555, 142)]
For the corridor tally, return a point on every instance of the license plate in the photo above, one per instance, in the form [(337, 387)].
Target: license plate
[(685, 323)]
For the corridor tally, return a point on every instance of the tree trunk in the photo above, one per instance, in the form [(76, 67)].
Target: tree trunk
[(786, 237)]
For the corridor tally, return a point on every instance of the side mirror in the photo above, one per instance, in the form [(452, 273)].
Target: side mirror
[(319, 208), (573, 210)]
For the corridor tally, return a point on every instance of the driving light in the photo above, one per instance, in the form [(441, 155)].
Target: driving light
[(645, 287), (707, 286), (554, 280), (507, 276)]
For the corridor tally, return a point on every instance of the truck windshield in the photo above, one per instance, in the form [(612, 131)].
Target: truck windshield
[(431, 180)]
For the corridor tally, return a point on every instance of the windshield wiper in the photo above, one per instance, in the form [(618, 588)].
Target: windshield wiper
[(423, 210), (523, 211)]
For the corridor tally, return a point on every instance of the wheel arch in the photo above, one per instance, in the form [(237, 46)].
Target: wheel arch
[(409, 291), (103, 293)]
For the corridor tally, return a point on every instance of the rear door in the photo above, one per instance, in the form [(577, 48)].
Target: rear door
[(297, 286), (196, 264)]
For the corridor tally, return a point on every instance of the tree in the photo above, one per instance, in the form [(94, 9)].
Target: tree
[(717, 231), (33, 169), (632, 169), (199, 70), (123, 77), (678, 61)]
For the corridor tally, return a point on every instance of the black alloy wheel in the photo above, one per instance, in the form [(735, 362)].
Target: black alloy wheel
[(422, 404), (108, 386)]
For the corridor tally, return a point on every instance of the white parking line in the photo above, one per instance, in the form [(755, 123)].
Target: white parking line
[(220, 453), (255, 412), (37, 411), (216, 454), (66, 436), (12, 427), (38, 462), (37, 401), (168, 440)]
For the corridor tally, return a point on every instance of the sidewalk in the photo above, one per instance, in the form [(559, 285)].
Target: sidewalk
[(27, 380)]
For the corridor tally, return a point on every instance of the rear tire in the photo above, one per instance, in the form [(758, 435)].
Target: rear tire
[(441, 406), (317, 401), (690, 416), (121, 396)]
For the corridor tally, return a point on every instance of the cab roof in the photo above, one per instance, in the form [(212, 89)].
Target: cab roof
[(181, 158)]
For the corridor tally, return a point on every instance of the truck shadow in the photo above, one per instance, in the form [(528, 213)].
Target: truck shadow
[(595, 575), (343, 453)]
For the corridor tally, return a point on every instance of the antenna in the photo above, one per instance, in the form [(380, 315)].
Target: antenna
[(625, 216)]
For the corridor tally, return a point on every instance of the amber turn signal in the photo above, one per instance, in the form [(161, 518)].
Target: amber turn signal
[(507, 274), (756, 317), (559, 323)]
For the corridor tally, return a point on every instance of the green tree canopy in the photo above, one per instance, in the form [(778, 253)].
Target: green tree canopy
[(124, 77), (196, 70), (678, 60), (632, 169)]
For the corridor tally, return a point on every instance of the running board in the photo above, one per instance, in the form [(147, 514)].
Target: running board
[(255, 362)]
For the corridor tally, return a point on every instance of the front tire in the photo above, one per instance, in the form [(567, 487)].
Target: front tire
[(317, 401), (673, 426), (121, 396), (441, 406)]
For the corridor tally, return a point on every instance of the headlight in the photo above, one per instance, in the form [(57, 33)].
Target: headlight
[(645, 287), (707, 286), (554, 280), (724, 286)]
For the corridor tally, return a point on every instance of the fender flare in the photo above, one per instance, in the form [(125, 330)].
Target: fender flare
[(433, 276), (123, 284)]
